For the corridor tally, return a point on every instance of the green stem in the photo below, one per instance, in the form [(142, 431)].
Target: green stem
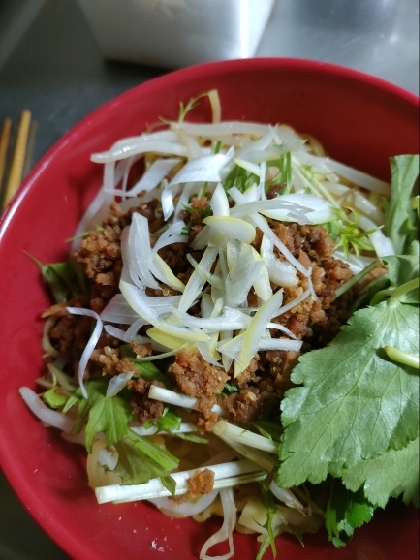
[(402, 357), (396, 293), (405, 288), (355, 279)]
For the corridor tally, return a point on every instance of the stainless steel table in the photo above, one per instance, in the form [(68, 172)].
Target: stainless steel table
[(50, 64)]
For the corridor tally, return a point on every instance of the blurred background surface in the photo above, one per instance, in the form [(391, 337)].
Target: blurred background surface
[(51, 64)]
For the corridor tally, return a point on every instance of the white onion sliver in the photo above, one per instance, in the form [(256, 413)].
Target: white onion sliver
[(381, 243), (226, 530), (153, 176), (195, 284), (138, 302), (219, 202), (167, 238), (185, 508), (90, 346), (117, 383), (45, 414), (206, 168), (286, 496), (140, 147), (279, 344)]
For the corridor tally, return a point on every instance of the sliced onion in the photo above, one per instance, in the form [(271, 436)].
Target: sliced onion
[(153, 176), (171, 235), (117, 383), (226, 225), (303, 208), (45, 414), (140, 146), (286, 496), (187, 191), (195, 284), (280, 344), (219, 202), (229, 319), (273, 152), (259, 221), (327, 165), (185, 508), (226, 530), (139, 251), (138, 302), (255, 331), (381, 243), (206, 168), (90, 346), (213, 131), (293, 303), (280, 273)]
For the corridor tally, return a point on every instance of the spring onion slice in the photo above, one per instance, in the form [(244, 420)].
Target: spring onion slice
[(179, 399), (246, 437), (231, 471)]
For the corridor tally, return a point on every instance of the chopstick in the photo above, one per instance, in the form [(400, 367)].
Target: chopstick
[(18, 159), (4, 145)]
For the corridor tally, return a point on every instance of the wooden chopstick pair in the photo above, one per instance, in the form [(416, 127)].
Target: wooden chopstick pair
[(11, 173)]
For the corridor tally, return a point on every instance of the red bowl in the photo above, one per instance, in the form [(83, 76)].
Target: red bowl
[(361, 121)]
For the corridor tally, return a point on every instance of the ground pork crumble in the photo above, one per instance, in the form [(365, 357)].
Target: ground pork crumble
[(258, 390)]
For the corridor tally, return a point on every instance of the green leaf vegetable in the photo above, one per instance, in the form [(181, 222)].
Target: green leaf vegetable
[(346, 511), (101, 413), (354, 414), (140, 460), (65, 280)]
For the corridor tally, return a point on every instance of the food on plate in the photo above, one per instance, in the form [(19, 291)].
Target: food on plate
[(236, 331)]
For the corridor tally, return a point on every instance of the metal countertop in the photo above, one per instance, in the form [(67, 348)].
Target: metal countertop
[(50, 64)]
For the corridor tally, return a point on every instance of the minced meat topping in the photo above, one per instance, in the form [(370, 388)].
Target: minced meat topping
[(258, 389)]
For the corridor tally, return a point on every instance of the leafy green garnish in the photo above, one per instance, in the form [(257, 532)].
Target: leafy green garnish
[(345, 512), (168, 421), (228, 388), (349, 234), (401, 217), (355, 403), (140, 460), (269, 429), (390, 474), (65, 280), (101, 413), (272, 532), (149, 372), (144, 368), (355, 415), (284, 166), (191, 437), (240, 178)]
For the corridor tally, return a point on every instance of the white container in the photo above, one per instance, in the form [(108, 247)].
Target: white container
[(177, 33)]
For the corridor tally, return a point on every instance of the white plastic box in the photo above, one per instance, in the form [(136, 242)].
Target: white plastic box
[(177, 33)]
